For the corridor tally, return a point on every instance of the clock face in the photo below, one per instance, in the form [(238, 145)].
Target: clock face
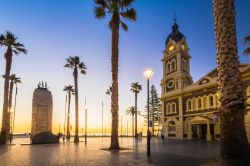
[(170, 84), (183, 46), (171, 47)]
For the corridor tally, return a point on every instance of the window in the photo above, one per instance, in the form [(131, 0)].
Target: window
[(173, 64), (211, 101), (194, 104), (168, 68), (205, 102), (169, 108), (170, 84), (171, 47), (171, 127), (199, 103), (174, 108), (189, 105)]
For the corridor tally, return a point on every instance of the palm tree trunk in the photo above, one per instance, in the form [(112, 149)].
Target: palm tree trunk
[(234, 143), (76, 139), (65, 115), (14, 113), (133, 128), (114, 95), (6, 115), (10, 94), (68, 117), (136, 135)]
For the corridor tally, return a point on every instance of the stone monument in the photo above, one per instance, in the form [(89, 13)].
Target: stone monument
[(41, 127)]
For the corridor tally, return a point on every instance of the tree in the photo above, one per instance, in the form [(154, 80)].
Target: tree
[(154, 107), (10, 41), (16, 81), (131, 111), (75, 64), (247, 42), (234, 143), (136, 88), (70, 91), (118, 9)]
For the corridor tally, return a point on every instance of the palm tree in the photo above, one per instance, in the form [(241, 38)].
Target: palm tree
[(119, 9), (131, 111), (136, 88), (16, 81), (75, 64), (247, 42), (8, 40), (232, 109), (70, 91)]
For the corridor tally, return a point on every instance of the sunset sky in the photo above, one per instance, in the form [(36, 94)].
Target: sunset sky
[(53, 30)]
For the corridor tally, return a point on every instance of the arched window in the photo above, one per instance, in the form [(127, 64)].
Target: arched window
[(169, 108), (189, 105), (173, 65), (194, 104), (211, 101), (204, 102), (173, 108), (168, 67), (199, 103), (171, 127)]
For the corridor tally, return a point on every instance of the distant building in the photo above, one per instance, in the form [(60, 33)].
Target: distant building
[(190, 110), (41, 110)]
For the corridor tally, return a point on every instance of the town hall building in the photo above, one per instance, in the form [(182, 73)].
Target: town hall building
[(190, 109)]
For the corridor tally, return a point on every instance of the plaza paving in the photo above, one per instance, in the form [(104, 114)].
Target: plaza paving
[(167, 153)]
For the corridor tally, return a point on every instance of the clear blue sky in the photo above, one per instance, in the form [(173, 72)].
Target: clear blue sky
[(53, 30)]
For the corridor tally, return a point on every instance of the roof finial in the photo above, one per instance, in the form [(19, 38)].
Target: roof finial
[(175, 17)]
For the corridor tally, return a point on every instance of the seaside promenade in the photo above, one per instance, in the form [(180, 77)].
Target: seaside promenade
[(167, 153)]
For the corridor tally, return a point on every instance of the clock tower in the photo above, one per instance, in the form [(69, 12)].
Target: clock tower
[(176, 62)]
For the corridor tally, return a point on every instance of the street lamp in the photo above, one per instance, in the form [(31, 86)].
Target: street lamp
[(148, 74), (86, 108)]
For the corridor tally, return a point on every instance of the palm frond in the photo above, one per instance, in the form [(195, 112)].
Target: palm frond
[(247, 39), (129, 14), (124, 26), (247, 51), (127, 3), (100, 12)]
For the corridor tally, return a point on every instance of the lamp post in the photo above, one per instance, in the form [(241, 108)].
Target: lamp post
[(102, 118), (148, 74), (86, 108)]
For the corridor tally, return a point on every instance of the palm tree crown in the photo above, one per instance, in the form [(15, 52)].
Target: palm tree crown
[(117, 8), (136, 87), (10, 40), (74, 63), (130, 111), (69, 89)]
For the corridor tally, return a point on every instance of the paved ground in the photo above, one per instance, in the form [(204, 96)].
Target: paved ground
[(167, 153)]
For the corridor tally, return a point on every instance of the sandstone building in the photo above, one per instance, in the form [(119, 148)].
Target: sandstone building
[(189, 109)]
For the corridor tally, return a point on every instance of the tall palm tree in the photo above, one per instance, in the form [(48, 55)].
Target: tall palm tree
[(136, 88), (247, 42), (70, 91), (118, 9), (16, 81), (10, 41), (131, 111), (75, 64), (232, 109)]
